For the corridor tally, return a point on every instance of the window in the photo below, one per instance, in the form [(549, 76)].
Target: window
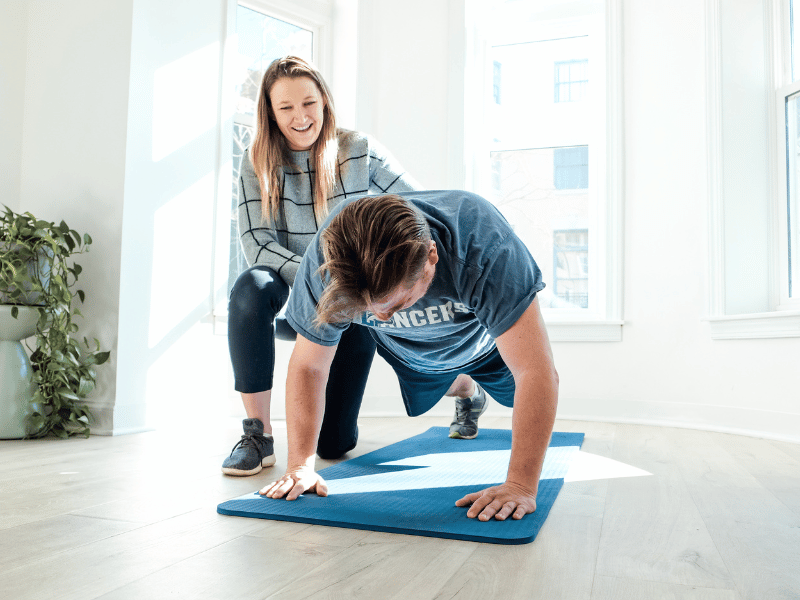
[(538, 174), (496, 71), (261, 39), (571, 267), (753, 180), (788, 126), (571, 168), (571, 80), (540, 211)]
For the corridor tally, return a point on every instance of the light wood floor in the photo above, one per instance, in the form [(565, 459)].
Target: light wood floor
[(133, 517)]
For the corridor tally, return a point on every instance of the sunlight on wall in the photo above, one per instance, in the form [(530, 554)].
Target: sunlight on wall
[(187, 386), (181, 268), (185, 96)]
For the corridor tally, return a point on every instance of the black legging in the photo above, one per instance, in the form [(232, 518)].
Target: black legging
[(256, 298)]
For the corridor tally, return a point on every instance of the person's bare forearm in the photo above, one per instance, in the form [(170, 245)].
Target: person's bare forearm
[(305, 407), (535, 402)]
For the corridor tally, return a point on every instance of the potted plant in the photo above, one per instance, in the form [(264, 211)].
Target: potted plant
[(36, 268)]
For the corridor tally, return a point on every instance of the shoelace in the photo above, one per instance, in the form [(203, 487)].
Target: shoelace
[(248, 439), (462, 411)]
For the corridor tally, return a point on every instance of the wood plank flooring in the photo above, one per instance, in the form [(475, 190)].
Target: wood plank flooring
[(134, 517)]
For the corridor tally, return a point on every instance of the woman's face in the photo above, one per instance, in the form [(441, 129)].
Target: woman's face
[(297, 105)]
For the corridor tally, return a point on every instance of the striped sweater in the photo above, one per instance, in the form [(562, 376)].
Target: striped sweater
[(365, 168)]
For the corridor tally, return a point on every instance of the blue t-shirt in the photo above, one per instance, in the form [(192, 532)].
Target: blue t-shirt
[(485, 279)]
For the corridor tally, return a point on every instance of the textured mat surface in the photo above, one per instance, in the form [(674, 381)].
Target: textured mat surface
[(411, 487)]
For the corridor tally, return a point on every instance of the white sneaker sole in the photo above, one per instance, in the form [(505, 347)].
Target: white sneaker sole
[(267, 461)]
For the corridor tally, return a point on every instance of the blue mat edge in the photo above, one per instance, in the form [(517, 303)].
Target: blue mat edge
[(400, 530), (508, 541)]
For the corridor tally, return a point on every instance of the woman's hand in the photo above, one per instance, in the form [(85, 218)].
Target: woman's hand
[(294, 482)]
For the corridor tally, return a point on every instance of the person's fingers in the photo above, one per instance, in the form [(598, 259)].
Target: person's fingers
[(322, 487), (506, 511), (490, 510), (296, 491), (268, 488), (468, 499), (478, 505), (281, 488), (520, 512)]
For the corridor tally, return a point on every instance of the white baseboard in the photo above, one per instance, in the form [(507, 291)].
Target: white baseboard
[(771, 425), (752, 422)]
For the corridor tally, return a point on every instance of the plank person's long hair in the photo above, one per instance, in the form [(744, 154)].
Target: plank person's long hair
[(372, 246)]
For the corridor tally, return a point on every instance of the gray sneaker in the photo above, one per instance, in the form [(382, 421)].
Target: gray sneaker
[(465, 422), (252, 452)]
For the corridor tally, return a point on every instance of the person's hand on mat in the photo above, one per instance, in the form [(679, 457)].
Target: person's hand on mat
[(500, 502), (294, 482)]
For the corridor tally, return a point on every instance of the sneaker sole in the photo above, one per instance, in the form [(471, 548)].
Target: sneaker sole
[(267, 461), (457, 436)]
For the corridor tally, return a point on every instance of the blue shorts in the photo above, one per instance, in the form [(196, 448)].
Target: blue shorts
[(421, 391)]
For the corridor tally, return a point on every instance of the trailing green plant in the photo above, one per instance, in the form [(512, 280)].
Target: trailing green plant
[(37, 268)]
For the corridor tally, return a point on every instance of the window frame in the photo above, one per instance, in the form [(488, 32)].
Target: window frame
[(559, 85), (779, 319), (784, 88), (786, 225), (603, 322)]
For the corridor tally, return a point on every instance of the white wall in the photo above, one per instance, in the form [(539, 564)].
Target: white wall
[(120, 137), (13, 26), (403, 97), (667, 369), (72, 164), (173, 154)]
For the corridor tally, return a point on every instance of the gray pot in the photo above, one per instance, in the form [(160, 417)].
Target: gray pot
[(39, 269)]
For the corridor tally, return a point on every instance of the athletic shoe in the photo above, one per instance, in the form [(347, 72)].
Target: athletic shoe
[(252, 452), (465, 422)]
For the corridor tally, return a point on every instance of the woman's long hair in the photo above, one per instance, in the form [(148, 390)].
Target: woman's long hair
[(270, 152)]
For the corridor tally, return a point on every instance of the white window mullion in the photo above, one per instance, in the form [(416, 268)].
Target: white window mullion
[(788, 104)]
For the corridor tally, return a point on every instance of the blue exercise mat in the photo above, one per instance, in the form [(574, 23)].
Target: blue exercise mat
[(411, 487)]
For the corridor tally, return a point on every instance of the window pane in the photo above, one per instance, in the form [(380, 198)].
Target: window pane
[(793, 188), (540, 150), (553, 222), (570, 80), (571, 272), (496, 73), (571, 168), (262, 39)]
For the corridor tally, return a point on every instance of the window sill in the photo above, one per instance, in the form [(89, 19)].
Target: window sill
[(561, 330), (777, 324)]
